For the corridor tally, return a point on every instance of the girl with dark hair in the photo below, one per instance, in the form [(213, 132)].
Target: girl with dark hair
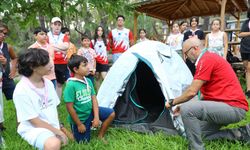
[(183, 26), (142, 33), (36, 102), (175, 39), (193, 32), (245, 49), (101, 46)]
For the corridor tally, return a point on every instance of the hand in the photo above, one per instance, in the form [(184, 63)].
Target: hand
[(3, 60), (167, 105), (81, 128), (95, 122), (92, 72), (12, 73), (62, 137), (176, 111)]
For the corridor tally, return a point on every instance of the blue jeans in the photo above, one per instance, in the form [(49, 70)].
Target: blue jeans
[(104, 113)]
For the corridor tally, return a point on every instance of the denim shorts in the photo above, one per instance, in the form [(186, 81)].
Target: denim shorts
[(104, 113)]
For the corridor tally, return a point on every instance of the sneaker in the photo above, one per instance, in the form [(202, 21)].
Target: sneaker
[(245, 133), (247, 93)]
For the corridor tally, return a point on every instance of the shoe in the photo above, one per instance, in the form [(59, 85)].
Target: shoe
[(245, 133), (247, 93)]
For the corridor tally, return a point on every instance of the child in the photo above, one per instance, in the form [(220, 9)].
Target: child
[(142, 33), (217, 40), (183, 27), (41, 42), (90, 54), (36, 102), (81, 102), (175, 39), (101, 45), (193, 32), (72, 47)]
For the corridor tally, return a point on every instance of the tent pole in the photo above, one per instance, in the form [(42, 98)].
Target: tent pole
[(222, 13)]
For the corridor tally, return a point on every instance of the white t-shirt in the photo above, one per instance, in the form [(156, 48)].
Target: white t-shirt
[(175, 41), (29, 105)]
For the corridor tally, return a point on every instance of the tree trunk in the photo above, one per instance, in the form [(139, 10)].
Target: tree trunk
[(42, 21)]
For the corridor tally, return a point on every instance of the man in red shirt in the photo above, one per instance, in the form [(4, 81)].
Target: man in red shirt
[(120, 38), (223, 101)]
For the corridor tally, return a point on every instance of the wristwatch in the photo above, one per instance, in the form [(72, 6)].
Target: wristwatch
[(170, 102)]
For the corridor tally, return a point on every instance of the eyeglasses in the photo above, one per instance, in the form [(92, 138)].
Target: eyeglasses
[(4, 33), (186, 53)]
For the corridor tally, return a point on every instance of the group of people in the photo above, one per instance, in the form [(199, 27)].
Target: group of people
[(46, 66), (53, 59)]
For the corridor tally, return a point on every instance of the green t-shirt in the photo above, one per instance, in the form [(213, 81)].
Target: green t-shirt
[(79, 93)]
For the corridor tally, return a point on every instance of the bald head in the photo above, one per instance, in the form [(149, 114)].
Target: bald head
[(192, 48), (192, 42)]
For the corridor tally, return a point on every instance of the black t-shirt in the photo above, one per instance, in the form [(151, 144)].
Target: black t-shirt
[(198, 33), (245, 41)]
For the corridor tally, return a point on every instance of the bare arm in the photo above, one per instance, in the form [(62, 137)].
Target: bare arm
[(61, 47), (81, 127), (13, 62), (244, 34), (189, 93), (206, 41), (225, 39), (95, 122)]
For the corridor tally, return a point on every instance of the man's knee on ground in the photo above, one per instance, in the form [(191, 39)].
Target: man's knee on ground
[(52, 143)]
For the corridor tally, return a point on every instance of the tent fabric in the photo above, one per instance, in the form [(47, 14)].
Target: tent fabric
[(139, 83)]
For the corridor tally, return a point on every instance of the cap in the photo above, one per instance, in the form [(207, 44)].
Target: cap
[(55, 19)]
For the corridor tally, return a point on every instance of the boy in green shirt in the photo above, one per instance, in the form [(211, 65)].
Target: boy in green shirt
[(81, 102)]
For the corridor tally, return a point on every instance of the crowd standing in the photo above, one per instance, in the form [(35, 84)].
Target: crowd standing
[(53, 61)]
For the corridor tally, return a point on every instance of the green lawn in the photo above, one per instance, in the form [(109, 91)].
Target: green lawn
[(118, 139)]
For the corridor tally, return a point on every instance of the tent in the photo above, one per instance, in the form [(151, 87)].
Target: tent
[(139, 83)]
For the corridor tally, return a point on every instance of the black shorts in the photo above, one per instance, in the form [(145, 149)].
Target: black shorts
[(62, 73), (245, 56), (102, 67)]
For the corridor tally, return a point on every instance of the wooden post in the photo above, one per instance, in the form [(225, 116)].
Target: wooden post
[(222, 13), (238, 26), (135, 25)]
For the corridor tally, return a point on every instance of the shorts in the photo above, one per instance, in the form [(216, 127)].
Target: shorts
[(245, 56), (8, 87), (37, 137), (62, 73), (41, 139), (104, 113), (102, 67)]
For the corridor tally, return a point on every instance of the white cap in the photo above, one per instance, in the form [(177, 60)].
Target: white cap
[(55, 19)]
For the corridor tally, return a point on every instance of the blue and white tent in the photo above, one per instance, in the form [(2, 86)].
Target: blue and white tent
[(139, 83)]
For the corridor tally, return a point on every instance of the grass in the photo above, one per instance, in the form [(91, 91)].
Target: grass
[(118, 139)]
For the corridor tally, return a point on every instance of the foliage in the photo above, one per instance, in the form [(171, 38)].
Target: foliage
[(22, 16)]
